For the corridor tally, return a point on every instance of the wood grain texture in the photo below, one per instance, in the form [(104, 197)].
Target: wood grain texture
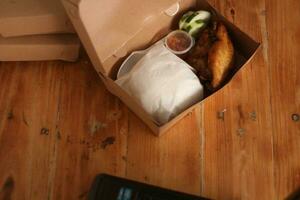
[(172, 160), (59, 127), (56, 132), (284, 53), (238, 150), (91, 133), (29, 94)]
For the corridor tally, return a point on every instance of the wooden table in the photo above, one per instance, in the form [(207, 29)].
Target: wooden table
[(59, 127)]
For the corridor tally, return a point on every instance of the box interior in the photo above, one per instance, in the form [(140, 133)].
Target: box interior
[(132, 25)]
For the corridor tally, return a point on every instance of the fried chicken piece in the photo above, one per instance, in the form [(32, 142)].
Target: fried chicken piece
[(198, 56), (212, 55), (220, 56)]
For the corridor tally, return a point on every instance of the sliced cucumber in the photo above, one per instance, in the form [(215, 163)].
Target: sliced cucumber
[(203, 15), (193, 22), (183, 18), (196, 27)]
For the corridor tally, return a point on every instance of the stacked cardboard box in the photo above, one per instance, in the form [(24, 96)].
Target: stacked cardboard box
[(36, 30)]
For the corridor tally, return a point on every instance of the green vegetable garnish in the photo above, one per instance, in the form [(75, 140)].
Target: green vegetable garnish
[(193, 22)]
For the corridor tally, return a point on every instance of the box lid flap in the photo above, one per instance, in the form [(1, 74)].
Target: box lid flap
[(105, 26), (33, 17)]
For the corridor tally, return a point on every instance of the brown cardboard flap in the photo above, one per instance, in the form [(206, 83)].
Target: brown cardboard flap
[(40, 47), (110, 24), (32, 17)]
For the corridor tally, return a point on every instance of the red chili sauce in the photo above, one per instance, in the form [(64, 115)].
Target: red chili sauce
[(178, 42)]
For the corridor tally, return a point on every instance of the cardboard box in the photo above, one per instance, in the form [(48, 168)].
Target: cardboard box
[(111, 30), (40, 47), (30, 17)]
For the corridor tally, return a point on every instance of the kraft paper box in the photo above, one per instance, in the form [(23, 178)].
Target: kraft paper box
[(111, 30), (31, 17), (40, 47)]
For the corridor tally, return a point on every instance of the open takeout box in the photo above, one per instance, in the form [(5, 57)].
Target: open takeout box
[(111, 30)]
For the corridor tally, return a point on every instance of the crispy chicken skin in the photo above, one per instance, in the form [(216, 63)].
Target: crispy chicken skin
[(212, 55), (220, 56)]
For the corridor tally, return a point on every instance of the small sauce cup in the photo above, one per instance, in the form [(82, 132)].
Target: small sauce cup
[(179, 42)]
